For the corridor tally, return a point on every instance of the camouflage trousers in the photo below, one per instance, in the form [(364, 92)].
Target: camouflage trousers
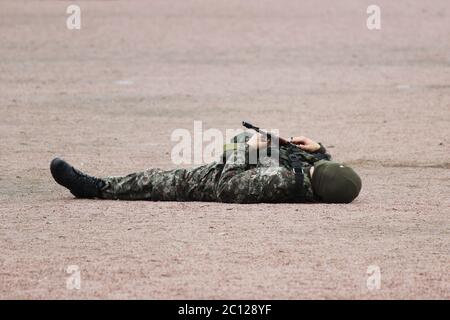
[(195, 184)]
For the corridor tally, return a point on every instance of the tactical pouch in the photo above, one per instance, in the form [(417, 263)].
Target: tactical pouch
[(297, 168)]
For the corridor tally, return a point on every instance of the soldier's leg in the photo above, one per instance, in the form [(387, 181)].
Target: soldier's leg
[(197, 184), (152, 184)]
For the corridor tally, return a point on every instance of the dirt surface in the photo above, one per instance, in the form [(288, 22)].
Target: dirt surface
[(107, 98)]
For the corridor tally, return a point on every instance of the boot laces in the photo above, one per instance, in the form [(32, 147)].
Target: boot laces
[(87, 178)]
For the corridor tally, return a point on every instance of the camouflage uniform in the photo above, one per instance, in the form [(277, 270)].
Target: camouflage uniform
[(230, 180)]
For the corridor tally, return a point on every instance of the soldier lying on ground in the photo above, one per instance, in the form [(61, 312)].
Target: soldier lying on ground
[(302, 173)]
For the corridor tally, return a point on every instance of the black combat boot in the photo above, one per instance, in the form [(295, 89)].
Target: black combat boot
[(80, 185)]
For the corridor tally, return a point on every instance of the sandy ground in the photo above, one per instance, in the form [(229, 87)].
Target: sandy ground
[(107, 98)]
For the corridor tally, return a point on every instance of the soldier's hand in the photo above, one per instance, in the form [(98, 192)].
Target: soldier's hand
[(257, 141), (305, 143)]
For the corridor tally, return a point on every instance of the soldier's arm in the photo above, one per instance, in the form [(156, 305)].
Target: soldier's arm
[(316, 150), (321, 154)]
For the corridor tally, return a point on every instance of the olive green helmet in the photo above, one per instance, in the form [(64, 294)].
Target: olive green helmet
[(334, 182)]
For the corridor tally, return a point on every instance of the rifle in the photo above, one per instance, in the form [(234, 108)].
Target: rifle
[(270, 136)]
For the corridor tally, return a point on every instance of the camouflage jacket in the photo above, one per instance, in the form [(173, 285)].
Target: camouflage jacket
[(270, 180)]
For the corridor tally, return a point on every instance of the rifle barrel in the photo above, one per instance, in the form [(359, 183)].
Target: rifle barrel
[(249, 125)]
